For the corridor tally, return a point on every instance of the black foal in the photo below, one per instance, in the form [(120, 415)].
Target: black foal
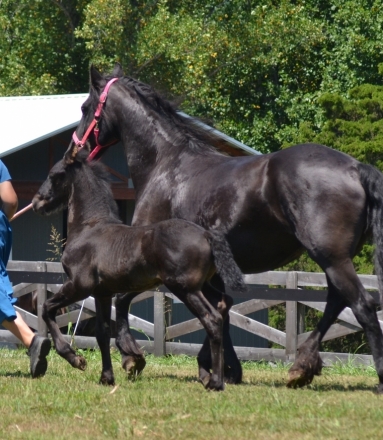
[(103, 257)]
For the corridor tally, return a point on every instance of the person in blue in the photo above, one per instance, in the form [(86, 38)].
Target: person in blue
[(10, 319)]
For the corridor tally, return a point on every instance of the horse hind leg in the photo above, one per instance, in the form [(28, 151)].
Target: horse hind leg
[(345, 288), (133, 359), (364, 308), (308, 362), (365, 312)]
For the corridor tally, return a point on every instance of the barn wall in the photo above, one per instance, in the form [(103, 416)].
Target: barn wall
[(31, 233)]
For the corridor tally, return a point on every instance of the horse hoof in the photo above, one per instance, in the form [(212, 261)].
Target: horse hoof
[(232, 376), (80, 363), (107, 381), (298, 379), (214, 385)]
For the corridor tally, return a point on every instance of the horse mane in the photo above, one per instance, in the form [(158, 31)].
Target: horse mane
[(185, 131), (99, 173)]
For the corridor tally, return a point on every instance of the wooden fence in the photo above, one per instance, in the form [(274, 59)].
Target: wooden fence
[(47, 277)]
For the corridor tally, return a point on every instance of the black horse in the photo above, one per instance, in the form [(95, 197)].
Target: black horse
[(102, 257), (270, 207)]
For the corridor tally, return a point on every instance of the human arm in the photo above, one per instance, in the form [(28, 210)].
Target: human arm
[(8, 198)]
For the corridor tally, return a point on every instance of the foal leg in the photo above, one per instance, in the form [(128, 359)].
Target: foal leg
[(103, 312), (212, 321), (232, 366), (63, 298), (133, 359)]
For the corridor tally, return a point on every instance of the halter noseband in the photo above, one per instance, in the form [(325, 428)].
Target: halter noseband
[(94, 125)]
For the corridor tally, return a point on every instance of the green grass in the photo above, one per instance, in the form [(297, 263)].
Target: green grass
[(167, 402)]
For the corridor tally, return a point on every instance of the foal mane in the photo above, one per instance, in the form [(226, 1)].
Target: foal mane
[(184, 131), (98, 172)]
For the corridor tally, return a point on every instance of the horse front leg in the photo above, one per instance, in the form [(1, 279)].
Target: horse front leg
[(63, 298), (232, 366), (103, 312), (133, 359)]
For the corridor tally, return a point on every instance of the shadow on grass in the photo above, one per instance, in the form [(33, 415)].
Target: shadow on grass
[(315, 388), (16, 374), (342, 388), (187, 379)]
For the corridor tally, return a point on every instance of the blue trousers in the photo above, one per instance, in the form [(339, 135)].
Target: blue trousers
[(7, 311)]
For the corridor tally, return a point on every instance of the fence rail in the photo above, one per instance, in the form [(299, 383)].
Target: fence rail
[(47, 277)]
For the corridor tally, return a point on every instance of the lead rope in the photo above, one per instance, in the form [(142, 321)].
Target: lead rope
[(77, 322), (17, 214)]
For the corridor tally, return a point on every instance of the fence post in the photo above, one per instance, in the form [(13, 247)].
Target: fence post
[(41, 298), (159, 324), (291, 319)]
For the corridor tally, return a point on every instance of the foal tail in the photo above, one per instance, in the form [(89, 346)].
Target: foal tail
[(224, 261), (372, 182)]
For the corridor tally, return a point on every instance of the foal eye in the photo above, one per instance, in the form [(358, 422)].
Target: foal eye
[(57, 179)]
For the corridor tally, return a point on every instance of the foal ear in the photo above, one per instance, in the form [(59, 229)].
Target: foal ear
[(117, 71), (70, 153), (95, 77)]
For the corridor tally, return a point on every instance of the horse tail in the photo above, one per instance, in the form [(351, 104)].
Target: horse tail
[(372, 182), (226, 267)]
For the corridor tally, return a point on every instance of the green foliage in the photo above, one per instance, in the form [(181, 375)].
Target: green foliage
[(38, 51), (261, 70), (231, 62)]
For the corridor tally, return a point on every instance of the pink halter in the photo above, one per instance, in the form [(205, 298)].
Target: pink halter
[(94, 125)]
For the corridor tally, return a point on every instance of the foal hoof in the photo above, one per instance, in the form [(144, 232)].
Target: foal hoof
[(80, 363), (133, 366), (299, 379)]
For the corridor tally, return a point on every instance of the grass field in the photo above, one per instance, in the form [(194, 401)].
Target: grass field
[(168, 403)]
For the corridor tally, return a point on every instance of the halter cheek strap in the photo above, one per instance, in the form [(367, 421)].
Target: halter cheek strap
[(93, 125)]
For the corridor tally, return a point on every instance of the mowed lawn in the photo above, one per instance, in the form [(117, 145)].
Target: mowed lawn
[(167, 402)]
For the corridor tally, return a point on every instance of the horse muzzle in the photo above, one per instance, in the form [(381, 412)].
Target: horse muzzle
[(38, 204)]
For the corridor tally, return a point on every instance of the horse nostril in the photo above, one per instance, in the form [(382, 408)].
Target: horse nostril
[(37, 203)]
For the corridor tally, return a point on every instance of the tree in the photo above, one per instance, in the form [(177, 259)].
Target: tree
[(256, 68), (38, 50)]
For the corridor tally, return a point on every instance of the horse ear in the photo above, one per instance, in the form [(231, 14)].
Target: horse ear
[(95, 77), (70, 153), (117, 71)]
